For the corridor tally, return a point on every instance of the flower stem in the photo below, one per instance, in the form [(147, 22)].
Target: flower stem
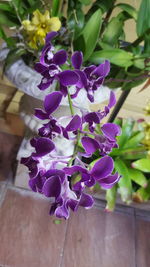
[(70, 104)]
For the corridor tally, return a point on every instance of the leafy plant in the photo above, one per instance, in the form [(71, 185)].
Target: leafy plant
[(97, 33), (132, 163)]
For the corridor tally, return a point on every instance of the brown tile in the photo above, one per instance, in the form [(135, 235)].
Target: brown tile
[(96, 238), (28, 235), (9, 145), (142, 243)]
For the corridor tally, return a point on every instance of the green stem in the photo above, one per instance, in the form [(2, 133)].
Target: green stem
[(70, 104)]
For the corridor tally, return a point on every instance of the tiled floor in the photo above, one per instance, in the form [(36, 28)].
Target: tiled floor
[(29, 237)]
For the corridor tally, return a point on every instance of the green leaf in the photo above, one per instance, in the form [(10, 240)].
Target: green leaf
[(124, 183), (126, 133), (113, 31), (143, 20), (111, 198), (142, 194), (10, 42), (6, 7), (137, 177), (129, 9), (104, 5), (55, 7), (142, 165), (135, 140), (86, 2), (130, 153), (90, 34), (116, 56), (8, 19), (2, 34), (139, 63)]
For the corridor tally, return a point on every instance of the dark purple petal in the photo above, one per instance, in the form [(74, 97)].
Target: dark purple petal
[(55, 172), (75, 168), (90, 145), (98, 82), (92, 117), (45, 83), (103, 69), (74, 124), (111, 130), (43, 146), (109, 181), (60, 57), (86, 201), (102, 168), (40, 114), (63, 89), (50, 36), (62, 212), (52, 101), (52, 187), (68, 77), (89, 70), (82, 83), (112, 100), (77, 59), (73, 204), (39, 67)]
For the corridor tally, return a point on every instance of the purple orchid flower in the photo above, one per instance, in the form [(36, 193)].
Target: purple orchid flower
[(91, 77), (93, 118), (101, 173), (74, 125), (49, 67), (50, 129), (57, 186), (43, 146), (103, 142), (51, 103)]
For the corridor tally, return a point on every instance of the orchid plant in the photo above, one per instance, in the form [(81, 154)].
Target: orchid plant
[(66, 176)]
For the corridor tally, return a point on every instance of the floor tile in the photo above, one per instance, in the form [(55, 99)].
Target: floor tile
[(96, 238), (28, 235), (142, 243)]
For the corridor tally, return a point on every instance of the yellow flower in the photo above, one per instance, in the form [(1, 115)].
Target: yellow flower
[(39, 26)]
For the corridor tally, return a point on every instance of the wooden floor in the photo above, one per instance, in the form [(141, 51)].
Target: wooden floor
[(29, 237)]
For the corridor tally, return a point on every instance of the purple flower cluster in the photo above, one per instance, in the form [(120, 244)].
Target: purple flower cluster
[(60, 177)]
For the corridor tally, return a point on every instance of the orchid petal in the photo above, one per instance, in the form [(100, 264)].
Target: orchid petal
[(52, 187), (86, 201), (52, 101), (74, 124), (112, 100), (111, 130), (77, 59), (40, 114), (102, 168), (90, 145), (43, 146), (60, 57), (68, 77), (109, 181)]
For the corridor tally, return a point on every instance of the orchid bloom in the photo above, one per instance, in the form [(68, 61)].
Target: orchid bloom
[(50, 172)]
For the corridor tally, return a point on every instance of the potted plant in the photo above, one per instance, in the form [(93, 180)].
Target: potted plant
[(96, 32)]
